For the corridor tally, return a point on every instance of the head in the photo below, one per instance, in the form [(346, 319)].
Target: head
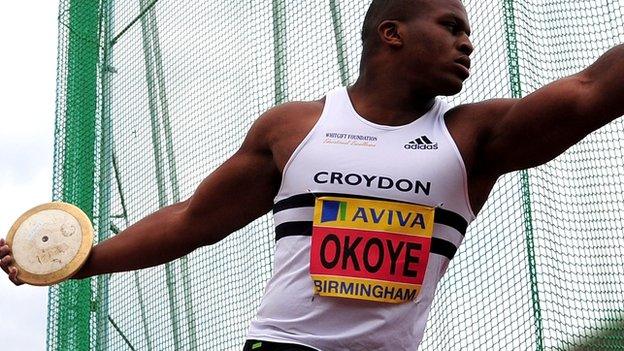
[(425, 42)]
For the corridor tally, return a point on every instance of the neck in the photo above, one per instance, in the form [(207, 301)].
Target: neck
[(388, 100)]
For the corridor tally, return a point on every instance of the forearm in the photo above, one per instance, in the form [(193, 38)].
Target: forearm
[(606, 77), (156, 239)]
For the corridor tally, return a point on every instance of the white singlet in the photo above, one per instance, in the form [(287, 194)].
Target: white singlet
[(367, 219)]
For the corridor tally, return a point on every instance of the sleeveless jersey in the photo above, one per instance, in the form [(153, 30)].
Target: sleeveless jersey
[(367, 219)]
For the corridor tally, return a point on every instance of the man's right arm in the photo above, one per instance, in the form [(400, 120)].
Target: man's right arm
[(236, 193)]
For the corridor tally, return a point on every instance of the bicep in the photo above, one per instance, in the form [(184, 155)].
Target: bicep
[(236, 193), (528, 132)]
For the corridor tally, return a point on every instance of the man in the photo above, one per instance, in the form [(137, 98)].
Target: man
[(372, 187)]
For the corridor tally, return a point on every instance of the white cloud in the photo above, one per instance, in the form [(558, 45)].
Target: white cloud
[(27, 94)]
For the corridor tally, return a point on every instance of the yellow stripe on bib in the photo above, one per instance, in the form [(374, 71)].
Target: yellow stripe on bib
[(365, 289), (376, 215)]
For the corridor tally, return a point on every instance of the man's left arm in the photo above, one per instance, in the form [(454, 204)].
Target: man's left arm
[(523, 133)]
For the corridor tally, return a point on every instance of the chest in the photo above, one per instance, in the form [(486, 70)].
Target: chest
[(418, 165)]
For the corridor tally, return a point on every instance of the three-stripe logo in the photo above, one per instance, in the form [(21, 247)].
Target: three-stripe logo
[(422, 143)]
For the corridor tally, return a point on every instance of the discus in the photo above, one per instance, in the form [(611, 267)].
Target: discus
[(50, 243)]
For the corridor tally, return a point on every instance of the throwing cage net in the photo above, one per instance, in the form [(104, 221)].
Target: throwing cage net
[(154, 94)]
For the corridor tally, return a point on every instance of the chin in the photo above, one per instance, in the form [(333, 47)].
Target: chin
[(451, 89), (449, 85)]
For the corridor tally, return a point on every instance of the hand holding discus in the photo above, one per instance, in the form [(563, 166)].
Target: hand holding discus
[(46, 245)]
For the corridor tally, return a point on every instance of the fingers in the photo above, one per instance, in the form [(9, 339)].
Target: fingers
[(5, 263), (5, 259), (13, 276), (10, 270)]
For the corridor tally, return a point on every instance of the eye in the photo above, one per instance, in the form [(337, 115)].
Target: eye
[(451, 26)]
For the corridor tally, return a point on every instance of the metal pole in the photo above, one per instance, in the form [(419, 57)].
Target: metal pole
[(76, 159), (516, 92), (173, 177), (162, 195), (343, 65), (137, 281), (279, 44), (105, 154)]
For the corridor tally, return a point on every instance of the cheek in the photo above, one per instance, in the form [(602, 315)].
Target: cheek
[(432, 48)]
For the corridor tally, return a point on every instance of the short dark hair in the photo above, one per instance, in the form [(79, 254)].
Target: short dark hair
[(380, 10)]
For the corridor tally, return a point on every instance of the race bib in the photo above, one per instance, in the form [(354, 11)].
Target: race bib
[(370, 249)]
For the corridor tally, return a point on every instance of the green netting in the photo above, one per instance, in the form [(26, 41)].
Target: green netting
[(153, 95)]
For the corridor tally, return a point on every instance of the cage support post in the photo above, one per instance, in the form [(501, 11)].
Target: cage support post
[(525, 184), (343, 64), (76, 160), (279, 48), (105, 164)]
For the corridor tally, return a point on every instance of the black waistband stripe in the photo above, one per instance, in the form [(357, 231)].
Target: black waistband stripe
[(451, 219), (443, 247), (293, 229), (301, 200), (442, 216)]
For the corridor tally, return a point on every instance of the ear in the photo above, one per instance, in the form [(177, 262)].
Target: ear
[(389, 34)]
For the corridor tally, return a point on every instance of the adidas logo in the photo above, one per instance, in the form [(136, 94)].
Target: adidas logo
[(422, 143)]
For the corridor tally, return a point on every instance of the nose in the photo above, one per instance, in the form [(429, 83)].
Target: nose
[(465, 45)]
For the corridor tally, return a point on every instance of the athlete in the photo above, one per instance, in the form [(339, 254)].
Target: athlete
[(372, 187)]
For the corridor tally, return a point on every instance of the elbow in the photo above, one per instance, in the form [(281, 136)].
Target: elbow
[(599, 97)]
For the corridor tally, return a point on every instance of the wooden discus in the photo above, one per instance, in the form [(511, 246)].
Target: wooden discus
[(50, 243)]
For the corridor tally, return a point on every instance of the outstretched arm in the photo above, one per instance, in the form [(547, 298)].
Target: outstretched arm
[(522, 133), (235, 194)]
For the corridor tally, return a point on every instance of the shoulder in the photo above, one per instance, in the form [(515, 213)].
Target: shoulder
[(289, 111), (480, 112), (476, 120), (470, 126), (287, 118), (280, 129)]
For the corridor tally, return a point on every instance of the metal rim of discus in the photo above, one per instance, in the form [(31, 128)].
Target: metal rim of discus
[(43, 245)]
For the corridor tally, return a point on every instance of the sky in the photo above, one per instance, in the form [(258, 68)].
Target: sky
[(28, 47)]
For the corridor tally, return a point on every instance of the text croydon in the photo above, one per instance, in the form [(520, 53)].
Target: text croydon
[(373, 181)]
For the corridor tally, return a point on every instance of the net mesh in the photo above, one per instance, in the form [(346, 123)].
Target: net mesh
[(153, 95)]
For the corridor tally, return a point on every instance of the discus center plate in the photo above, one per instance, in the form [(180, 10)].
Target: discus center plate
[(50, 243)]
